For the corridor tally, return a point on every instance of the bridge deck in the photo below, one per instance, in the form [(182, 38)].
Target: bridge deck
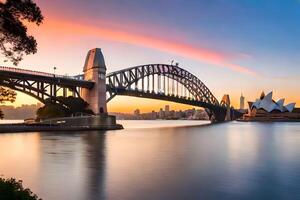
[(10, 72)]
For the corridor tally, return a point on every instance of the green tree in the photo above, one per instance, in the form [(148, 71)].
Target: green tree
[(14, 39), (11, 189)]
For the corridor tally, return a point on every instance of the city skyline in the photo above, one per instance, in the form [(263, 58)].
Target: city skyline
[(228, 59), (166, 113)]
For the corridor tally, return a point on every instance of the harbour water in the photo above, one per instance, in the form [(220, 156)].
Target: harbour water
[(159, 160)]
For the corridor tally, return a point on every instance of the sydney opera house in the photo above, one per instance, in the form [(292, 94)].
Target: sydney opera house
[(266, 109)]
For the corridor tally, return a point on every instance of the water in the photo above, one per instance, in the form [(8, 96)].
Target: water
[(170, 161)]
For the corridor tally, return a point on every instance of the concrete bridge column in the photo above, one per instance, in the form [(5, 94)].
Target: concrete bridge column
[(95, 70)]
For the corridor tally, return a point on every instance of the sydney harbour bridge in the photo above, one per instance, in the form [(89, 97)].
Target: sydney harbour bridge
[(152, 81)]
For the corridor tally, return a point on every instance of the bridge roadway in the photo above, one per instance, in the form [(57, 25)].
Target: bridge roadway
[(29, 75)]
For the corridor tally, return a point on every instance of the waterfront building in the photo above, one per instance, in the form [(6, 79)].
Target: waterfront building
[(266, 109)]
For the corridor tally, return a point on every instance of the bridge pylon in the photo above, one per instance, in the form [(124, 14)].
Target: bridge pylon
[(226, 103), (95, 70)]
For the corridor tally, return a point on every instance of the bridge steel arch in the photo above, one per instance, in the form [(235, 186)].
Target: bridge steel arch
[(164, 82)]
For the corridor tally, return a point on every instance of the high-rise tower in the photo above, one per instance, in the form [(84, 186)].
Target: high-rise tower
[(242, 102)]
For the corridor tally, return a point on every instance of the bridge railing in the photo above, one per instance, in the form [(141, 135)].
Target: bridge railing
[(32, 72)]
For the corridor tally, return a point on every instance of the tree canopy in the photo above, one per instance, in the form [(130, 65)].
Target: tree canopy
[(11, 189), (72, 106), (14, 39), (6, 95)]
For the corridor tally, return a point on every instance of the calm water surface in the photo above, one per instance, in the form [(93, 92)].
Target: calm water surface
[(159, 160)]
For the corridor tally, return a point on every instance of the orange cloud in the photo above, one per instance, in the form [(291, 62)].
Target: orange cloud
[(161, 44)]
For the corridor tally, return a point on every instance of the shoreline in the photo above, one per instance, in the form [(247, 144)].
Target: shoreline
[(22, 127), (268, 120)]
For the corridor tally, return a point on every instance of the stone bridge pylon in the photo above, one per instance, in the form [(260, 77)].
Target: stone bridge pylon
[(95, 70)]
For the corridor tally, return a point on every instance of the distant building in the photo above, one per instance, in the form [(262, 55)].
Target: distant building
[(153, 115), (136, 112), (161, 114), (167, 111), (21, 112), (266, 109), (167, 108), (242, 102)]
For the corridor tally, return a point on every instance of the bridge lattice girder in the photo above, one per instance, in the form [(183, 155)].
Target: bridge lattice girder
[(40, 85), (141, 77)]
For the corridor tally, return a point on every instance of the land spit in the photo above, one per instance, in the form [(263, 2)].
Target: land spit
[(80, 123)]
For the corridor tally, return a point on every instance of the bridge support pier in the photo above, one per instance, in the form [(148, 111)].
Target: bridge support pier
[(95, 70), (218, 115)]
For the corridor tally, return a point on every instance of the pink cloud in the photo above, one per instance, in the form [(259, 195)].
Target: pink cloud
[(111, 33)]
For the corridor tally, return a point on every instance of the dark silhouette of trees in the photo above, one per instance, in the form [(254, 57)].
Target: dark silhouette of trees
[(6, 95), (11, 189), (14, 39), (72, 106), (51, 110)]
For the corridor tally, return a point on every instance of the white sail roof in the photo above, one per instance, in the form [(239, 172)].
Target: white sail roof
[(268, 104), (280, 103), (290, 107)]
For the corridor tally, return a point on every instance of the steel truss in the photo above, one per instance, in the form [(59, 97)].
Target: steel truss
[(42, 87), (160, 81)]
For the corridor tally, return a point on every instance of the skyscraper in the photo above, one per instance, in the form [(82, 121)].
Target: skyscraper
[(167, 110), (242, 102), (161, 114)]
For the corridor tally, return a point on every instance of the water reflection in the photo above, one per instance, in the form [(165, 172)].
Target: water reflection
[(223, 161), (20, 157), (95, 162), (75, 161)]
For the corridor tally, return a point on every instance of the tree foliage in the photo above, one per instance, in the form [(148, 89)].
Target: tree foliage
[(51, 110), (1, 114), (72, 106), (11, 189), (14, 39), (7, 95)]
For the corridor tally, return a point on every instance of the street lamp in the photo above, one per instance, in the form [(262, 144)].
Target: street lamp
[(54, 68)]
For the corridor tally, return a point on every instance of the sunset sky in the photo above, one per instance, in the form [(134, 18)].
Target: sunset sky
[(234, 47)]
